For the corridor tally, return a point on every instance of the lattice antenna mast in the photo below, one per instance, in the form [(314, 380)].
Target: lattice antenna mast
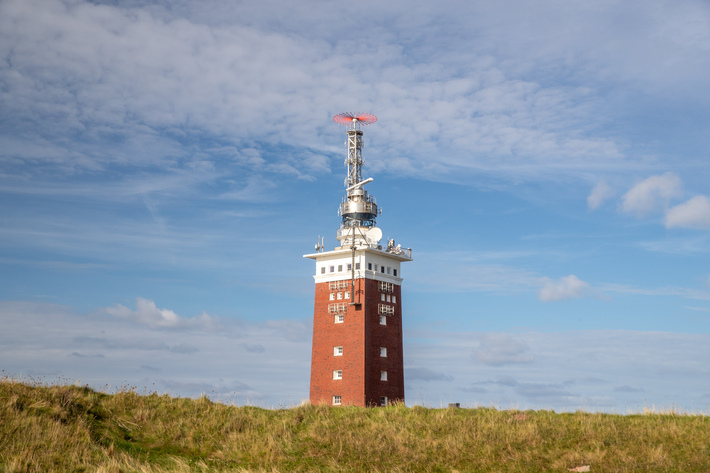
[(359, 209), (354, 161)]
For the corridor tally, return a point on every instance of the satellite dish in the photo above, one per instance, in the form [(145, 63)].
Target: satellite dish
[(373, 235)]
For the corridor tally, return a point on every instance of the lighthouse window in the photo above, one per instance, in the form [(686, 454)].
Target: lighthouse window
[(383, 401), (383, 320), (332, 269), (340, 268), (369, 266), (383, 375), (395, 272), (339, 318), (337, 374), (383, 297), (336, 400), (322, 270), (383, 352), (332, 296), (337, 351)]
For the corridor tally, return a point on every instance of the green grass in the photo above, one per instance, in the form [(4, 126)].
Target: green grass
[(70, 428)]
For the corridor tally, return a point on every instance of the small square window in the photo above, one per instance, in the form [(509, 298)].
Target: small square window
[(388, 269), (340, 296), (383, 401), (347, 294), (383, 375), (394, 272), (382, 296), (383, 352), (332, 296), (369, 266), (394, 299), (339, 318), (337, 374), (389, 298), (337, 351), (340, 268), (383, 320), (336, 400), (322, 270), (357, 265), (332, 269)]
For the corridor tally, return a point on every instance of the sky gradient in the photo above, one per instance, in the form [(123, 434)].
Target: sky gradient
[(164, 165)]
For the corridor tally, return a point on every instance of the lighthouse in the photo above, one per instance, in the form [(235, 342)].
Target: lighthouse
[(357, 355)]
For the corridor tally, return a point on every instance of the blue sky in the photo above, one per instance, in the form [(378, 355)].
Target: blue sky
[(165, 165)]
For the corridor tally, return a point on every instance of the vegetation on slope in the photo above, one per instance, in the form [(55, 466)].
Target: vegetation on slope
[(70, 428)]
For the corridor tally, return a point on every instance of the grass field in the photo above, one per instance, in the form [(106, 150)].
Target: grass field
[(71, 428)]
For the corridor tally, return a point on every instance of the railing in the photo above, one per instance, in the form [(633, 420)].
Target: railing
[(358, 207), (337, 285), (384, 309), (406, 252), (337, 308), (387, 287)]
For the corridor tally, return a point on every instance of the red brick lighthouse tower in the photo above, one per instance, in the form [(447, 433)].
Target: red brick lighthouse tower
[(357, 354)]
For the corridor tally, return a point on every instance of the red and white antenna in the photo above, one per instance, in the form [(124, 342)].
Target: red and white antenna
[(355, 119)]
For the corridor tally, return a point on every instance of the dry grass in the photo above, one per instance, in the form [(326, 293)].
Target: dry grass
[(69, 428)]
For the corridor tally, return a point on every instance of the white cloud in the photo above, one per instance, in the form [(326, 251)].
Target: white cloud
[(696, 244), (652, 194), (695, 213), (466, 270), (425, 374), (148, 313), (291, 330), (567, 287), (600, 193), (498, 349), (152, 80)]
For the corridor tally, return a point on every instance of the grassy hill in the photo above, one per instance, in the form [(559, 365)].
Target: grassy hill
[(70, 428)]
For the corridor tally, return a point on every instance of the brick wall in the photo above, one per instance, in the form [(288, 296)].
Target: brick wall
[(361, 337)]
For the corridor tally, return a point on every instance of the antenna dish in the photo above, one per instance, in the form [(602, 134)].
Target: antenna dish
[(374, 235), (349, 118)]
